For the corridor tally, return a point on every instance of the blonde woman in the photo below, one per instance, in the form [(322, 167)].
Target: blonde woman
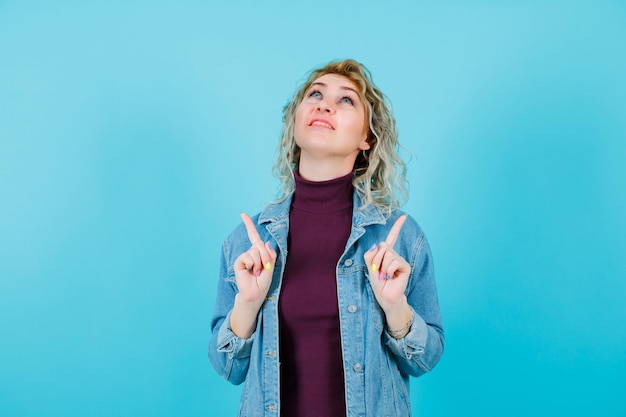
[(326, 300)]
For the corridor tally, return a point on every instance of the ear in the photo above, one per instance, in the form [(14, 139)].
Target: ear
[(364, 145)]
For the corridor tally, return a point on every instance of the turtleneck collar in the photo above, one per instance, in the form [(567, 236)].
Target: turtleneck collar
[(323, 196)]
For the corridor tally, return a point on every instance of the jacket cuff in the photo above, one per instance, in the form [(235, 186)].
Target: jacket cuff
[(228, 342), (414, 341)]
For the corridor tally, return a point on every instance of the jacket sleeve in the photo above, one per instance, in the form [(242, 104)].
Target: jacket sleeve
[(420, 350), (229, 354)]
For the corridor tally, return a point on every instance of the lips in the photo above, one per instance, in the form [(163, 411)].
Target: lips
[(322, 123)]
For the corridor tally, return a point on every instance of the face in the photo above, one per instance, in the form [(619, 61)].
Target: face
[(330, 122)]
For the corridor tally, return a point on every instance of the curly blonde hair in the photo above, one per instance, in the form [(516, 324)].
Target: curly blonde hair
[(379, 172)]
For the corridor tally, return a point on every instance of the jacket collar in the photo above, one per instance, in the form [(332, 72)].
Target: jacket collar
[(361, 217)]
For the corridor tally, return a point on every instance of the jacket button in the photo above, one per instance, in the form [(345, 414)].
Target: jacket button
[(271, 353), (357, 367), (348, 262), (352, 308)]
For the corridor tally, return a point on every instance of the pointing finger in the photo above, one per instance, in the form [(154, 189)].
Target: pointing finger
[(253, 234), (264, 250), (395, 231)]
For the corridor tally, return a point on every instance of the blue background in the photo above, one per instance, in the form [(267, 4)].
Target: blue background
[(133, 133)]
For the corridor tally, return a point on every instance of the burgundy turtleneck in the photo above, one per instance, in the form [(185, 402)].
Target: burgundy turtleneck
[(312, 382)]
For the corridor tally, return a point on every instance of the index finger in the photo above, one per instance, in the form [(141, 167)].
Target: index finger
[(253, 234), (395, 231)]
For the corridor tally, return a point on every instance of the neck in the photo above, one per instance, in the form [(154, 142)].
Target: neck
[(323, 196), (324, 169)]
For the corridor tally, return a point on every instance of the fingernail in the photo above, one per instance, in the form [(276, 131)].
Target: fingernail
[(374, 267), (268, 266), (257, 273), (388, 276), (372, 247), (381, 276)]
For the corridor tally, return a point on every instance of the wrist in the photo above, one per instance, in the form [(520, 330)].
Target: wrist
[(399, 319), (245, 305), (400, 333), (243, 317), (399, 307)]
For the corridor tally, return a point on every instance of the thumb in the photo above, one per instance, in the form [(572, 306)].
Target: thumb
[(369, 255)]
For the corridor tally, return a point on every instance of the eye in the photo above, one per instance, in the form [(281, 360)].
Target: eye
[(315, 94), (347, 99)]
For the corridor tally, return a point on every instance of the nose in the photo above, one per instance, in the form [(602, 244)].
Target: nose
[(324, 106)]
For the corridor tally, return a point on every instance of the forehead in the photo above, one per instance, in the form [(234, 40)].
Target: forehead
[(336, 80)]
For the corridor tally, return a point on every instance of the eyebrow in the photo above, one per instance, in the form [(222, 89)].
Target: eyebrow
[(342, 87)]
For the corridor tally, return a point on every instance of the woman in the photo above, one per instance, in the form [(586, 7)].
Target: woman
[(326, 301)]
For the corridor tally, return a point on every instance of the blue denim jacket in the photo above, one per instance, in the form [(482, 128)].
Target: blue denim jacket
[(376, 366)]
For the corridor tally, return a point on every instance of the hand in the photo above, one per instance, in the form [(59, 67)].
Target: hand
[(254, 268), (388, 271)]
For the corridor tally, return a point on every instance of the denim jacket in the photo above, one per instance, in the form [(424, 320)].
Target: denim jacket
[(376, 366)]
